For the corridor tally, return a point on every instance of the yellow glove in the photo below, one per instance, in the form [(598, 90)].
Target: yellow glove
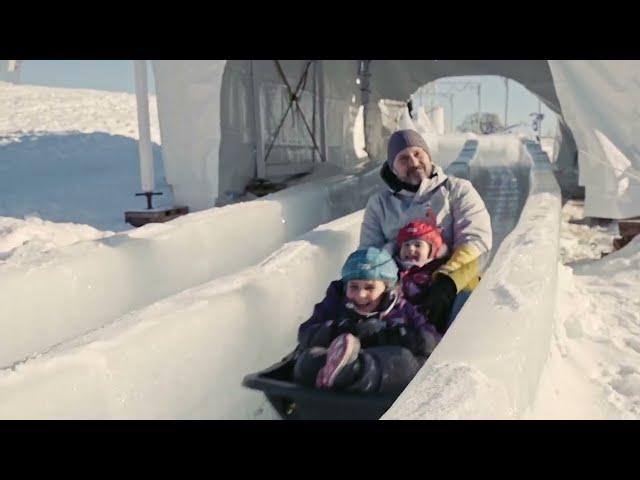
[(463, 267)]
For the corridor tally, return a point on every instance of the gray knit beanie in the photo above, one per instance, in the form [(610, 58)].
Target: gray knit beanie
[(403, 139)]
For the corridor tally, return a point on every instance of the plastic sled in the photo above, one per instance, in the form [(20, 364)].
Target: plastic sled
[(296, 402)]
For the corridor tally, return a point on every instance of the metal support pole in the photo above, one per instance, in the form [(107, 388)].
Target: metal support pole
[(322, 109), (451, 122), (144, 141), (479, 106), (506, 101), (257, 123), (541, 117), (364, 99)]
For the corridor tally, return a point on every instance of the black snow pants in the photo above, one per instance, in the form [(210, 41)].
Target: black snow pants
[(377, 369)]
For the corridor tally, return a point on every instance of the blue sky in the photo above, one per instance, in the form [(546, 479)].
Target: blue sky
[(112, 75), (521, 102), (117, 75)]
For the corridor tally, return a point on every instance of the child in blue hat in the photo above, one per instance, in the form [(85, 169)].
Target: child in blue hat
[(364, 336)]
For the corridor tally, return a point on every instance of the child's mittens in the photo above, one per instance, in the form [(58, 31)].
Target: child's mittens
[(369, 328), (438, 301), (322, 335)]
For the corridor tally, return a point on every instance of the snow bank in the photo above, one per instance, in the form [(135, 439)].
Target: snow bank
[(20, 239), (580, 240), (592, 372), (185, 356), (71, 155), (489, 363), (45, 110)]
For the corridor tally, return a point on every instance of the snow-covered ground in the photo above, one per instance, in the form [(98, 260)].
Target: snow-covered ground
[(26, 238), (593, 371), (580, 241), (71, 156), (33, 110)]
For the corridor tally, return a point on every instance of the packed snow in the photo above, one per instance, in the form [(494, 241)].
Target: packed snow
[(592, 371), (35, 110), (71, 155), (22, 239), (582, 240)]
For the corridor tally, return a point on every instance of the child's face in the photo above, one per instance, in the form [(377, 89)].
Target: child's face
[(415, 251), (365, 294)]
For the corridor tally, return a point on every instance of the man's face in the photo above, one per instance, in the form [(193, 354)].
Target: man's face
[(411, 165)]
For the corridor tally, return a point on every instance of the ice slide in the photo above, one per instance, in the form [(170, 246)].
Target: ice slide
[(184, 355)]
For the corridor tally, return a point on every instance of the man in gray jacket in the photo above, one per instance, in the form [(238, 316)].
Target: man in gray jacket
[(416, 185)]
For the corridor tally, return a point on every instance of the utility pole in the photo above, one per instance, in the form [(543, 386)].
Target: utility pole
[(479, 105), (506, 101), (451, 105), (434, 95), (541, 117), (365, 74)]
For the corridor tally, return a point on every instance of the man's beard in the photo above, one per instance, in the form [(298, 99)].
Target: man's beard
[(415, 176)]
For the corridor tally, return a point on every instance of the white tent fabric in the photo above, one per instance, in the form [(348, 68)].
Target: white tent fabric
[(213, 129), (218, 119), (600, 102), (188, 96)]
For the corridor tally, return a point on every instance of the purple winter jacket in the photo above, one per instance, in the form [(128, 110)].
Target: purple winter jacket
[(399, 323)]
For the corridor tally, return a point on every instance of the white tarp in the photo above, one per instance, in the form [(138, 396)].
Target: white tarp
[(10, 71), (209, 126), (223, 122), (190, 127), (600, 102)]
